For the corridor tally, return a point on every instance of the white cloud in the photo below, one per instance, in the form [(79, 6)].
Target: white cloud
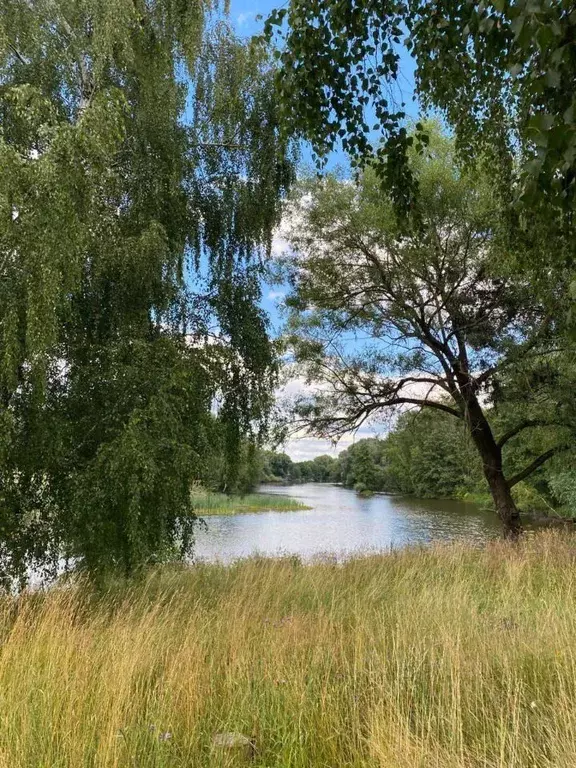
[(307, 448), (243, 18), (273, 295), (302, 447), (293, 387), (280, 244)]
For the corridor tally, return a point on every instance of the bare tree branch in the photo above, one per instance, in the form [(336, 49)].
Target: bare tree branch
[(533, 466), (17, 53), (519, 428), (425, 404)]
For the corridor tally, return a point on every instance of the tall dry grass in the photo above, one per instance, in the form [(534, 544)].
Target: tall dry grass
[(448, 657)]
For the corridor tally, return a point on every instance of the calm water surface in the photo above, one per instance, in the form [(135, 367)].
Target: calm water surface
[(341, 523)]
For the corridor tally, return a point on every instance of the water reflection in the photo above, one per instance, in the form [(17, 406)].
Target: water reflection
[(341, 523)]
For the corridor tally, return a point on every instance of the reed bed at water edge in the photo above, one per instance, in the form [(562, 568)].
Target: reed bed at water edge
[(442, 657), (207, 503)]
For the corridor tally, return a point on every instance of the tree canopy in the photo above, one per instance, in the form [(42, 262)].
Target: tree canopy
[(388, 315), (279, 467), (141, 170), (502, 72)]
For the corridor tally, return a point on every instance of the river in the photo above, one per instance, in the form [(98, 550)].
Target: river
[(341, 523)]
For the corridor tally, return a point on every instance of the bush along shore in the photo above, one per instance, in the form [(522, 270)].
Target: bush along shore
[(451, 656)]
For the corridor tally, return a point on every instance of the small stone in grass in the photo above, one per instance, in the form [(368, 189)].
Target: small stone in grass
[(234, 748)]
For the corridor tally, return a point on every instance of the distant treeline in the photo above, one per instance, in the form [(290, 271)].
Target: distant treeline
[(429, 454), (279, 468)]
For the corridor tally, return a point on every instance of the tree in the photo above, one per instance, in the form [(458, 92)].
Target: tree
[(387, 316), (361, 466), (431, 454), (281, 465), (141, 170), (277, 466), (323, 469), (501, 71)]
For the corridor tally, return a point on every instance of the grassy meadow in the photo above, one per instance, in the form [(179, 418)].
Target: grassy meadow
[(207, 503), (447, 657)]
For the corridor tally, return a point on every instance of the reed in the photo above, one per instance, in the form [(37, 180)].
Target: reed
[(441, 657), (206, 503)]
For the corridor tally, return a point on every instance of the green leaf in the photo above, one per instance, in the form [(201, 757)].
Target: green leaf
[(541, 122), (544, 37), (517, 26), (553, 78)]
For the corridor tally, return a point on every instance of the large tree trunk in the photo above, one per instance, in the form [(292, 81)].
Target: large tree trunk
[(491, 454), (503, 501)]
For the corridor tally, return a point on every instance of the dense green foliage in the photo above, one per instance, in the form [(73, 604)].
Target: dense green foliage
[(501, 71), (428, 454), (140, 174), (363, 466), (279, 468)]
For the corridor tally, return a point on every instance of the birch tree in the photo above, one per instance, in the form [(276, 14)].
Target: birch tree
[(141, 171)]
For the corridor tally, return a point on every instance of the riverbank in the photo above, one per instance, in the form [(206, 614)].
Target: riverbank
[(206, 504), (446, 657), (533, 507)]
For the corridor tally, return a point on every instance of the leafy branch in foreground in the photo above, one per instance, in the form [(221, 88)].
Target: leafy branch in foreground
[(502, 73)]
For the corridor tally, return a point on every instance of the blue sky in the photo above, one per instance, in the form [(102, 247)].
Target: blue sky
[(243, 15)]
